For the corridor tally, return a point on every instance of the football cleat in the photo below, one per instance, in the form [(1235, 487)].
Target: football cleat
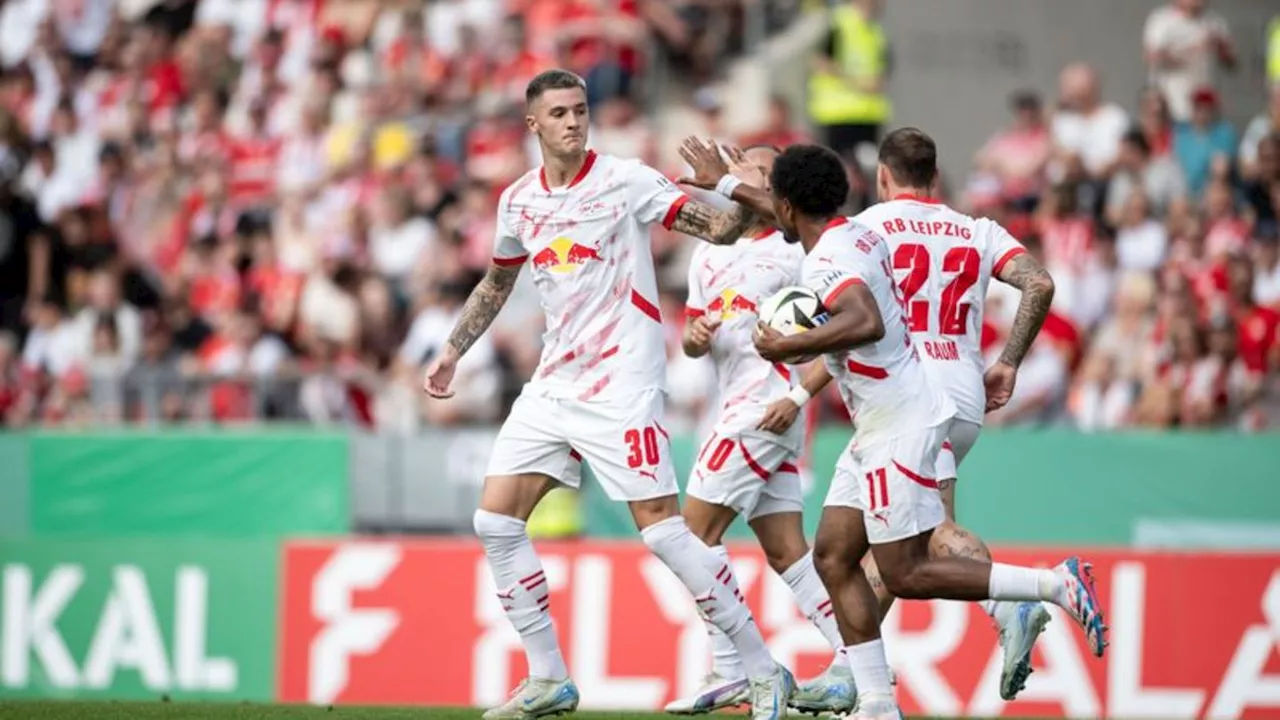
[(882, 707), (535, 698), (1020, 624), (715, 693), (831, 692), (1082, 602), (769, 696)]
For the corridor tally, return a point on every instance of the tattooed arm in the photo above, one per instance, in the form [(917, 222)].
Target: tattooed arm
[(717, 227), (482, 307), (1028, 275)]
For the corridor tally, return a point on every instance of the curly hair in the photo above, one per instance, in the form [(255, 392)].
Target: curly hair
[(812, 178)]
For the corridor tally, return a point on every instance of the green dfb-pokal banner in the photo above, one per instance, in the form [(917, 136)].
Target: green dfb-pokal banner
[(226, 484), (138, 619)]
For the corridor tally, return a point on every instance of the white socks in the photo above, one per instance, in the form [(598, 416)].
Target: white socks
[(870, 669), (522, 590), (724, 657), (812, 599), (709, 578), (1010, 582)]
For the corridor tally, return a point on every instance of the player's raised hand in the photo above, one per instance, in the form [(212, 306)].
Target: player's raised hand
[(743, 169), (707, 163), (701, 330), (779, 416), (439, 375), (999, 380)]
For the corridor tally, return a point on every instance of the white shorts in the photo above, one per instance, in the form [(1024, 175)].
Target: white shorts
[(752, 474), (961, 439), (893, 483), (623, 441)]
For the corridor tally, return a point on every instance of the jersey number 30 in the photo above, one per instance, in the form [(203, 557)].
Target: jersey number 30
[(953, 316)]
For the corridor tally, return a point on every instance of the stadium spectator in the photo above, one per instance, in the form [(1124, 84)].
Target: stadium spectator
[(1086, 128), (1011, 164), (1183, 42), (1206, 144), (1156, 177), (231, 209)]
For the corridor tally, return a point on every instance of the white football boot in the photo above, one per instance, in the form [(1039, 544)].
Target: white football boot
[(535, 698), (1020, 624), (831, 692), (769, 696), (871, 707), (715, 693)]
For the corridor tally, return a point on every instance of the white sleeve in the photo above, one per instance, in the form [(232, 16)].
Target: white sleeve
[(1001, 247), (507, 249), (829, 272), (653, 198), (696, 305)]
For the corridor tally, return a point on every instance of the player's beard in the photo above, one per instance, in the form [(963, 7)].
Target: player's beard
[(790, 237)]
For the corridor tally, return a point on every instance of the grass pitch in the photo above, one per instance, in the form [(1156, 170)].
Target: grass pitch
[(79, 710)]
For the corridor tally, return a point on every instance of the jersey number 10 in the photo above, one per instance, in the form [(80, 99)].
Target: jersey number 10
[(953, 316)]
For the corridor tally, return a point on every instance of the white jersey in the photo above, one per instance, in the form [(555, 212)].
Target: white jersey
[(588, 245), (729, 282), (943, 261), (883, 384)]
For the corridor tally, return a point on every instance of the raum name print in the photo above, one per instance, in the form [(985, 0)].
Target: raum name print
[(418, 623)]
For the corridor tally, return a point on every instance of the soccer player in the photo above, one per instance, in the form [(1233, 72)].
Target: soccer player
[(748, 464), (883, 495), (581, 221), (943, 261)]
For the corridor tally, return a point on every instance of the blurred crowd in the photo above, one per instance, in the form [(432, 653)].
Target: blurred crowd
[(1160, 231), (232, 210), (238, 210)]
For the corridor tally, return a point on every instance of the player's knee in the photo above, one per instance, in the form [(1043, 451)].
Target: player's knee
[(781, 555), (829, 561), (493, 528), (704, 525), (666, 537)]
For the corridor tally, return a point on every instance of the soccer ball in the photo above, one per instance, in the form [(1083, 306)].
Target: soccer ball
[(793, 310)]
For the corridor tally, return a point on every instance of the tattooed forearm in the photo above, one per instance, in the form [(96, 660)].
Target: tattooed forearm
[(482, 306), (1028, 275), (715, 226)]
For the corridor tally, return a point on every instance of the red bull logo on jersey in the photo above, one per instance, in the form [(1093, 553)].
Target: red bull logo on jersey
[(563, 255), (730, 304)]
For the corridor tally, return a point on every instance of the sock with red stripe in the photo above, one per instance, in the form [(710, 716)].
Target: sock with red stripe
[(813, 601), (523, 591), (724, 657), (714, 589)]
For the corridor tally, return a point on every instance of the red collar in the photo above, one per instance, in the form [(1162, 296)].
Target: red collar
[(835, 222), (917, 198), (587, 162), (762, 234)]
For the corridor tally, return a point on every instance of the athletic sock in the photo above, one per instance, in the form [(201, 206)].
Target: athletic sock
[(724, 657), (714, 589), (812, 599), (870, 668), (1011, 582), (522, 590)]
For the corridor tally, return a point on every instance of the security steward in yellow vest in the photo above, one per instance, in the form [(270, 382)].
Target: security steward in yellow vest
[(1273, 51), (847, 99)]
